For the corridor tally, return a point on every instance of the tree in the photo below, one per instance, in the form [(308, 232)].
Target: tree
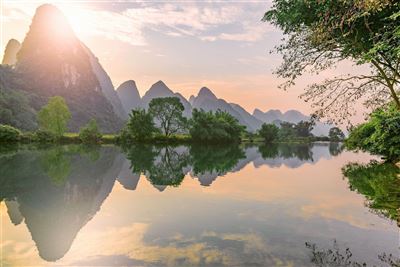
[(54, 116), (335, 134), (324, 33), (287, 130), (269, 132), (90, 133), (304, 128), (168, 111), (214, 127), (140, 125)]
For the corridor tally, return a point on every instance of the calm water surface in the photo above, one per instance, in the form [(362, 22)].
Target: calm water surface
[(287, 205)]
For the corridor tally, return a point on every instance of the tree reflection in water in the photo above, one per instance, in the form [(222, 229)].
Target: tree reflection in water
[(299, 151), (168, 165), (56, 190), (379, 183)]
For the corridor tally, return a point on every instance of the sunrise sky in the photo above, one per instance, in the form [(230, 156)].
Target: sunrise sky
[(188, 44)]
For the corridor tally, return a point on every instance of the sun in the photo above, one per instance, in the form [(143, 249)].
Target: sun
[(79, 17)]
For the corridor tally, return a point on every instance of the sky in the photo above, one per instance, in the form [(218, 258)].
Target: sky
[(222, 45)]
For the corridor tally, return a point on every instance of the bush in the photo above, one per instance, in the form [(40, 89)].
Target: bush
[(43, 136), (140, 126), (9, 134), (90, 134), (215, 127), (380, 135)]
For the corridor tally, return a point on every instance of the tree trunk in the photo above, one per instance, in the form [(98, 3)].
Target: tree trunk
[(395, 97)]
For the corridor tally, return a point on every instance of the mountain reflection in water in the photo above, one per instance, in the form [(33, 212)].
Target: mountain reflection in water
[(56, 191)]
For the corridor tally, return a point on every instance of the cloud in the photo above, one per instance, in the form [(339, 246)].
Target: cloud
[(205, 21)]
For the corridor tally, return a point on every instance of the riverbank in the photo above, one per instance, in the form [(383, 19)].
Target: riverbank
[(73, 138)]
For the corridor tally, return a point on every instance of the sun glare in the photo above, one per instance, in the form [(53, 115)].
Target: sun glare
[(78, 17)]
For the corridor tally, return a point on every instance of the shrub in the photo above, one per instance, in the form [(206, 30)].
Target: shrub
[(43, 136), (215, 127), (90, 134), (9, 134), (380, 135), (139, 127)]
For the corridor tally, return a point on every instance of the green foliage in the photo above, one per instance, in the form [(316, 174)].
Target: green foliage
[(9, 134), (290, 131), (15, 108), (140, 126), (168, 112), (323, 33), (56, 165), (54, 116), (162, 165), (215, 127), (304, 128), (380, 135), (286, 151), (269, 132), (287, 130), (379, 183), (90, 133), (44, 136), (215, 159), (335, 134)]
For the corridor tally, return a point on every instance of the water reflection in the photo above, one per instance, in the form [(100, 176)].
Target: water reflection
[(56, 191), (379, 183)]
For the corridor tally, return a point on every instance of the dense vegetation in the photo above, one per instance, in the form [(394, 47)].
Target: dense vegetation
[(380, 135), (15, 110), (162, 123), (9, 134), (269, 132), (90, 133), (140, 126), (215, 127), (167, 165), (379, 183)]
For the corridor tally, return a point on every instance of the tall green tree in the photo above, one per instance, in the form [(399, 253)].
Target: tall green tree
[(55, 116), (269, 132), (168, 112), (324, 33)]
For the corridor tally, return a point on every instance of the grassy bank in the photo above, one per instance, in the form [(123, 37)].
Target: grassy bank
[(73, 138)]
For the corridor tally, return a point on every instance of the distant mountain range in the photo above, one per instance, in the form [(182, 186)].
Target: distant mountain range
[(208, 101), (53, 61)]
